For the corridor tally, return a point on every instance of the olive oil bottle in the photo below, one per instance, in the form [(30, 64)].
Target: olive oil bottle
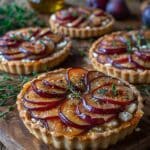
[(46, 6)]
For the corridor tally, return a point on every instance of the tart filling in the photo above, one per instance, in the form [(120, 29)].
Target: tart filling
[(124, 52), (30, 45), (76, 102), (81, 22)]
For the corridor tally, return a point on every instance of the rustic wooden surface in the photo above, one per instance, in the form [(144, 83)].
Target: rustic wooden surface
[(15, 136)]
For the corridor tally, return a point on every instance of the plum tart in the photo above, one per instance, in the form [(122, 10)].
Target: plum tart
[(32, 50), (79, 109), (123, 55), (81, 22)]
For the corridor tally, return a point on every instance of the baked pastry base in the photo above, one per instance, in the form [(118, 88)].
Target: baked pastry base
[(96, 140)]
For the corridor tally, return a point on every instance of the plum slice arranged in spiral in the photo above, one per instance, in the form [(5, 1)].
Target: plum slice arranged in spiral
[(77, 100), (122, 50), (30, 44)]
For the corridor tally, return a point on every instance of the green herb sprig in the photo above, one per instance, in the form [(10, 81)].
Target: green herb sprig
[(73, 91), (13, 16), (114, 90), (10, 86), (129, 47)]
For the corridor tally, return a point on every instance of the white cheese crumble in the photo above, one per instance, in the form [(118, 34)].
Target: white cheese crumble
[(131, 108), (61, 44), (53, 17), (108, 65), (95, 54), (112, 123), (134, 48), (88, 27), (2, 58), (69, 24), (125, 116)]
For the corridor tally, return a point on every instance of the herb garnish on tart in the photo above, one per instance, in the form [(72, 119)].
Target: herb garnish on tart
[(70, 103)]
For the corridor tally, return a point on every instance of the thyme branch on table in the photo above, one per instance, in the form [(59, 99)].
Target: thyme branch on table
[(9, 89), (144, 89), (13, 16)]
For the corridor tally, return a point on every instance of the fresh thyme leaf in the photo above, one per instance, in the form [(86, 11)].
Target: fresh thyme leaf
[(102, 91), (82, 52), (129, 49), (129, 28), (114, 90), (74, 14), (144, 89), (13, 17), (73, 91)]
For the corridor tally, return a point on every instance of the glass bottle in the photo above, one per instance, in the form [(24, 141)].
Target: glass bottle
[(46, 6)]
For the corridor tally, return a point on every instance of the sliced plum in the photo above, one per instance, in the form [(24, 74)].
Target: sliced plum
[(123, 95), (17, 56), (76, 77), (45, 115), (93, 119), (37, 107), (34, 98), (57, 126), (100, 107), (102, 80), (67, 115), (46, 91), (32, 48), (91, 75)]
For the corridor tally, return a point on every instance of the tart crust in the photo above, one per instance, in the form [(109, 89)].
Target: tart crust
[(92, 141), (82, 32), (21, 67), (128, 75)]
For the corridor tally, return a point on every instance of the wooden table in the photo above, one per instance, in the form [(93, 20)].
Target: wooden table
[(15, 136)]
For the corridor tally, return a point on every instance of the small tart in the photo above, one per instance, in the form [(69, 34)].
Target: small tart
[(123, 55), (31, 50), (79, 109), (81, 22)]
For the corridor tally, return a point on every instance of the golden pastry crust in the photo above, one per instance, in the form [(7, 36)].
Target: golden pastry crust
[(82, 32), (93, 140), (130, 75), (42, 64)]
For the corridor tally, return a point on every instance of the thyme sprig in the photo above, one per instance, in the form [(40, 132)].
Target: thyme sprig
[(13, 16), (10, 86), (144, 89), (129, 46), (74, 93), (114, 90)]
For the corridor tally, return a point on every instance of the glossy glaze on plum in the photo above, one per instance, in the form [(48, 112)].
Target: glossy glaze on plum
[(72, 100), (81, 17), (29, 44), (122, 50)]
